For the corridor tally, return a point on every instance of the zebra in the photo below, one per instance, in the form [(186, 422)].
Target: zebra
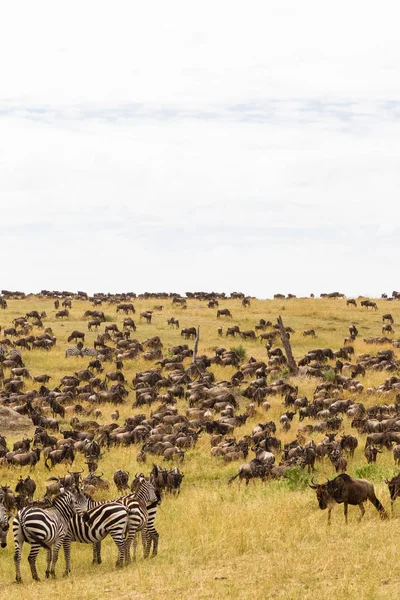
[(89, 352), (94, 525), (4, 527), (143, 504), (45, 525), (137, 503), (73, 352)]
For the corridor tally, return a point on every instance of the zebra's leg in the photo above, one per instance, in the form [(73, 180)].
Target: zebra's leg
[(154, 537), (97, 553), (17, 558), (146, 541), (120, 543), (56, 550), (48, 562), (67, 555), (32, 560)]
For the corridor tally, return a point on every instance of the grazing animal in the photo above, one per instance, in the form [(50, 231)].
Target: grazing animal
[(224, 312), (388, 317), (309, 332), (394, 489), (346, 490)]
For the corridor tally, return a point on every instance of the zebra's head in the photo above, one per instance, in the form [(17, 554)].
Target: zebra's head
[(4, 526), (83, 502), (144, 490)]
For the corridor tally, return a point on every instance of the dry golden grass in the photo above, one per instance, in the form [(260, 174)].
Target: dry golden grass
[(217, 541)]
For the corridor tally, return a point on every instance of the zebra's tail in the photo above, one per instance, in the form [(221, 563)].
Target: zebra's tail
[(33, 537)]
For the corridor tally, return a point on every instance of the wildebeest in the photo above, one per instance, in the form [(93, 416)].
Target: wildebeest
[(121, 480), (189, 332), (309, 332), (394, 489), (224, 312), (75, 335), (388, 317), (62, 313), (147, 315), (346, 490)]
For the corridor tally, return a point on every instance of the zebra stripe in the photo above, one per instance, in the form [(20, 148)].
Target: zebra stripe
[(94, 525), (89, 352), (43, 527), (136, 504), (73, 352), (150, 534), (3, 526)]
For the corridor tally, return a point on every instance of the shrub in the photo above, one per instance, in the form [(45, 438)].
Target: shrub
[(240, 351), (297, 479)]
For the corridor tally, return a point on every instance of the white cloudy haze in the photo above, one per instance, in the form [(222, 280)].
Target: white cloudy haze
[(176, 146)]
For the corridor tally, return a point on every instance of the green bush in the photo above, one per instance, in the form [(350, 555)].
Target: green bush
[(374, 472), (297, 479), (240, 351)]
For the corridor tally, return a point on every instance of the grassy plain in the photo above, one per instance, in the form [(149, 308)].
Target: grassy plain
[(267, 540)]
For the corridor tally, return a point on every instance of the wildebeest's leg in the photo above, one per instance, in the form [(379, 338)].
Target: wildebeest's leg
[(32, 560), (329, 515), (346, 506), (362, 509), (391, 506)]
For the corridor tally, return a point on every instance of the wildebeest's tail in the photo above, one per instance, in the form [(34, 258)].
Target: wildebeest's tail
[(232, 478)]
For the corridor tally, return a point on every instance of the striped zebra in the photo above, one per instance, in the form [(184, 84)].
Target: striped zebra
[(137, 504), (4, 527), (43, 527), (73, 352), (95, 524), (90, 352)]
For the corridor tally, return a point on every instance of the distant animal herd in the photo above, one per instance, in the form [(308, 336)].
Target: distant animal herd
[(60, 414)]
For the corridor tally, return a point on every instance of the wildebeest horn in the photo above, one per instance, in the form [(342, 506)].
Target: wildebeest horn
[(314, 485)]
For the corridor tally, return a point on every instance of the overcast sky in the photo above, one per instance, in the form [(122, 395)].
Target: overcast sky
[(185, 146)]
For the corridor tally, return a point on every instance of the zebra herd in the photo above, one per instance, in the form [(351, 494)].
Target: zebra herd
[(72, 516)]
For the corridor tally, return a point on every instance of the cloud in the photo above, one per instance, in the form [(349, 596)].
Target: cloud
[(163, 147)]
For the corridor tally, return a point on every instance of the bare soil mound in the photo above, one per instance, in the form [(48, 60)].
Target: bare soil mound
[(12, 422)]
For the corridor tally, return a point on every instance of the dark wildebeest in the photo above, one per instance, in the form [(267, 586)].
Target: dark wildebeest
[(394, 489), (75, 335), (388, 317), (347, 490), (224, 312)]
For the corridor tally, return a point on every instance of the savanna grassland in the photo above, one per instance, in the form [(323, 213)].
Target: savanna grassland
[(266, 540)]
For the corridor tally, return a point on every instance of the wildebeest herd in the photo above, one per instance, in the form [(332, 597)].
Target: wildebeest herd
[(181, 397)]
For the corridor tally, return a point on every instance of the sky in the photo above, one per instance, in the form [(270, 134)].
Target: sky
[(197, 146)]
